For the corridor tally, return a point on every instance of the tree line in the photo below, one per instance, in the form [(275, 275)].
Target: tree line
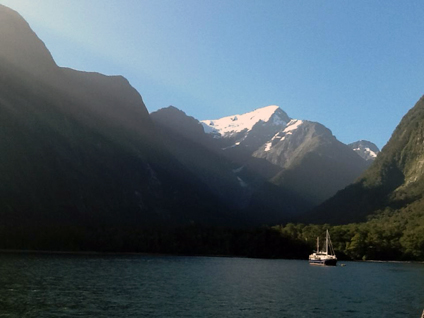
[(391, 235)]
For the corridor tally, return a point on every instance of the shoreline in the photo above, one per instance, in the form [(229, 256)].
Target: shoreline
[(96, 253)]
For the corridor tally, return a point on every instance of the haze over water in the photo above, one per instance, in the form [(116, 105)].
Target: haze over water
[(149, 286)]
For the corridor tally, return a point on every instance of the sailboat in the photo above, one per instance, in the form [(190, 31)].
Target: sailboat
[(326, 257)]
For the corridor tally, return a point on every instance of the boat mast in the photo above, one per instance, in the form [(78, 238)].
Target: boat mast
[(326, 243), (317, 244)]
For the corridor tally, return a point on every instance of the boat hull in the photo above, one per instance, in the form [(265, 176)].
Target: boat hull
[(323, 262)]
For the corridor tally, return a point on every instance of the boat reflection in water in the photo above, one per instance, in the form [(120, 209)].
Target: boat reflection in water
[(326, 257)]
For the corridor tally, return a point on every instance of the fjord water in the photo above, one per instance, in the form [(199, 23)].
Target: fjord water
[(39, 285)]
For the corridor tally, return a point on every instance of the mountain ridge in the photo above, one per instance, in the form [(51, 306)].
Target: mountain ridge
[(80, 148)]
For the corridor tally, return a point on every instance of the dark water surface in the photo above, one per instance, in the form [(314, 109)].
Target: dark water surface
[(151, 286)]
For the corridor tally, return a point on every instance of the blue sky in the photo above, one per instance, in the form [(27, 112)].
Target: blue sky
[(354, 66)]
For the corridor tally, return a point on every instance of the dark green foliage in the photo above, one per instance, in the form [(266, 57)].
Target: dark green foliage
[(391, 235)]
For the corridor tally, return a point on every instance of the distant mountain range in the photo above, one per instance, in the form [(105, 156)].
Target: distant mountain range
[(81, 149), (272, 167)]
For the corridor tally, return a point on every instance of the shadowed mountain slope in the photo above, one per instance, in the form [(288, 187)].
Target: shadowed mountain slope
[(186, 140), (80, 148)]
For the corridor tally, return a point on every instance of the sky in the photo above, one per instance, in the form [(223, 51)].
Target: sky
[(354, 66)]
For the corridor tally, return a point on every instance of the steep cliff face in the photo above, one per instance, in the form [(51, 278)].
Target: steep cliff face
[(395, 179), (80, 148), (400, 164)]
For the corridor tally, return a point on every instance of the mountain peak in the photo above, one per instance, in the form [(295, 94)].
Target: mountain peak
[(178, 122), (20, 46), (231, 125), (366, 149)]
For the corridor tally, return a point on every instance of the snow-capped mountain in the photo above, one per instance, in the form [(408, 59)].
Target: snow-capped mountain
[(232, 125), (263, 163), (366, 149), (248, 130), (299, 155)]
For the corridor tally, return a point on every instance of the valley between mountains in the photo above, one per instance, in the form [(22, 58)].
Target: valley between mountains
[(84, 166)]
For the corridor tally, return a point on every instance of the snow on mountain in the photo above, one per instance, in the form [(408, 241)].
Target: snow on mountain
[(292, 126), (365, 149), (231, 125), (281, 135)]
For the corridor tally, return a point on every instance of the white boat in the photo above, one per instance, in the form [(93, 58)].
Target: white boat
[(326, 257)]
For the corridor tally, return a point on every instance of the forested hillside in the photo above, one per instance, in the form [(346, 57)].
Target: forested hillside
[(395, 180)]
